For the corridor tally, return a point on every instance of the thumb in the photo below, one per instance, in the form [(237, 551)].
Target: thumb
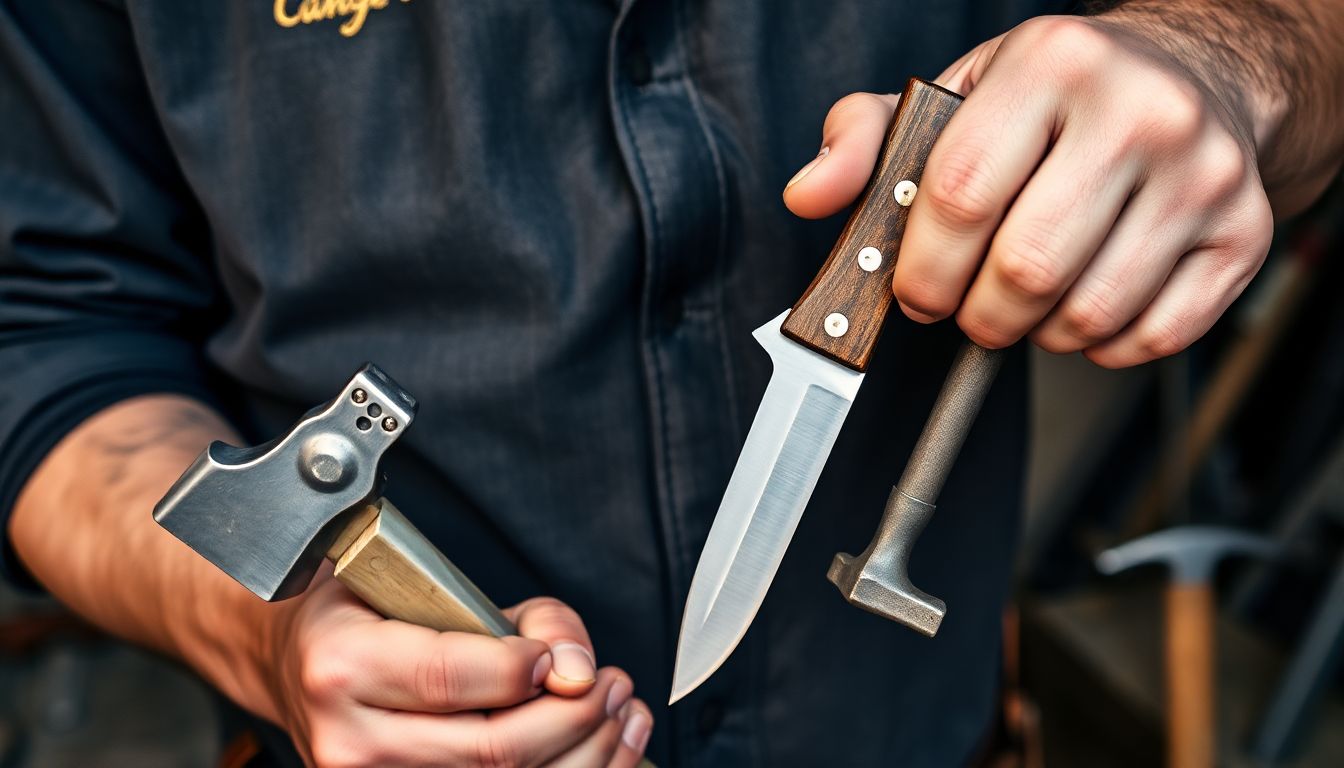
[(850, 141), (573, 664)]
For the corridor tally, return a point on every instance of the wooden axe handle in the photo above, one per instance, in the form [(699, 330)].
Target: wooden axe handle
[(382, 558), (1189, 672), (390, 565)]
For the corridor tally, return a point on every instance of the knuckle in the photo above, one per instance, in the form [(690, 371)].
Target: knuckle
[(548, 610), (983, 332), (856, 102), (329, 752), (439, 681), (1224, 167), (321, 675), (1178, 116), (925, 297), (962, 193), (1031, 262), (1166, 336), (1075, 47), (1094, 314), (493, 748)]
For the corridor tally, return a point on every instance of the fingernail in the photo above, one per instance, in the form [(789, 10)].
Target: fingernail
[(573, 662), (618, 695), (636, 732), (542, 669), (806, 169)]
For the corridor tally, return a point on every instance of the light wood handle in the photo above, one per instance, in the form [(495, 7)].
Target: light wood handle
[(390, 565), (382, 558), (1189, 671)]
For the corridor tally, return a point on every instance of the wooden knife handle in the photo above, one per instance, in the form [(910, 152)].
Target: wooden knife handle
[(841, 313), (391, 566)]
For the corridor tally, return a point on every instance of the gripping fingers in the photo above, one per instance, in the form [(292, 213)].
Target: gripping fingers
[(399, 666), (1051, 232), (619, 743)]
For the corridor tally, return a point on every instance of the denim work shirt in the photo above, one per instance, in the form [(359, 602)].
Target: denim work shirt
[(556, 224)]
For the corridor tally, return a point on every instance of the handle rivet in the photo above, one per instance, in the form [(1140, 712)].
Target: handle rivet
[(836, 324), (905, 192), (389, 424), (359, 396), (869, 258)]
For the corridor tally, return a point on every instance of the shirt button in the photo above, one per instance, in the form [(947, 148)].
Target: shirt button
[(638, 66), (710, 717)]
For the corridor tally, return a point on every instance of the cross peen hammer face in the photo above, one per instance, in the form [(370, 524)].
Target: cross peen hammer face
[(264, 515)]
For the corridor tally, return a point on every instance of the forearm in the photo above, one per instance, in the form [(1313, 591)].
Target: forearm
[(82, 526), (1277, 64)]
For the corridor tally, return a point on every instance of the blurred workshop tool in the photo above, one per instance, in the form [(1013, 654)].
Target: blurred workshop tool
[(1263, 319), (267, 515), (1312, 667), (1191, 553)]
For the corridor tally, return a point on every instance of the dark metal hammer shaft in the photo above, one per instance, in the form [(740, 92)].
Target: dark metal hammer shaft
[(877, 579)]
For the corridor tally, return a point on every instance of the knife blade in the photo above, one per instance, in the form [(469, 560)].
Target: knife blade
[(820, 349)]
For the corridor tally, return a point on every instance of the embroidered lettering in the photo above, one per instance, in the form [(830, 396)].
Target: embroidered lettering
[(355, 13)]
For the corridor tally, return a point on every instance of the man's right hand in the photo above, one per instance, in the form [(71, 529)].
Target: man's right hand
[(358, 689), (351, 687)]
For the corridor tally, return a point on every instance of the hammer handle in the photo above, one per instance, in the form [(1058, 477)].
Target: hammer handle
[(968, 381), (1189, 672), (391, 566)]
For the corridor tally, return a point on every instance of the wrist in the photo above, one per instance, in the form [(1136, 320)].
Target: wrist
[(1262, 62)]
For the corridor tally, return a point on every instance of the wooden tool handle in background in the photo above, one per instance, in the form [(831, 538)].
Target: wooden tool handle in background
[(1189, 672), (841, 313)]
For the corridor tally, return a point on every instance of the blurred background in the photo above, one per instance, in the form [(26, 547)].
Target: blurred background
[(1242, 433)]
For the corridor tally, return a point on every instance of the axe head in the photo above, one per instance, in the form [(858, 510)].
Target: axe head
[(264, 515)]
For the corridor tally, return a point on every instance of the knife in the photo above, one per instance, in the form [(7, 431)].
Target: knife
[(820, 349)]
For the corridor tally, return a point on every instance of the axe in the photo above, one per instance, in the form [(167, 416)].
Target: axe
[(267, 515)]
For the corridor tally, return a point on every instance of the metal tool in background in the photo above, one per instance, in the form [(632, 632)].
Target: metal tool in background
[(268, 515), (1191, 553), (1311, 670), (820, 349)]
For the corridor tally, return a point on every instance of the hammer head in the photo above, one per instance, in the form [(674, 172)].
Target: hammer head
[(1192, 551), (263, 515), (876, 580)]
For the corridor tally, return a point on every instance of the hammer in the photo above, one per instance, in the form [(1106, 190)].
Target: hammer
[(876, 580), (267, 515), (1192, 553)]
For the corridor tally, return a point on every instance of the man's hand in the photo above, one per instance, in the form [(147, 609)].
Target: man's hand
[(351, 687), (362, 690), (1104, 186)]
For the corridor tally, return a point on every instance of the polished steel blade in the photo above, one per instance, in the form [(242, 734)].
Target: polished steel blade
[(799, 417)]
